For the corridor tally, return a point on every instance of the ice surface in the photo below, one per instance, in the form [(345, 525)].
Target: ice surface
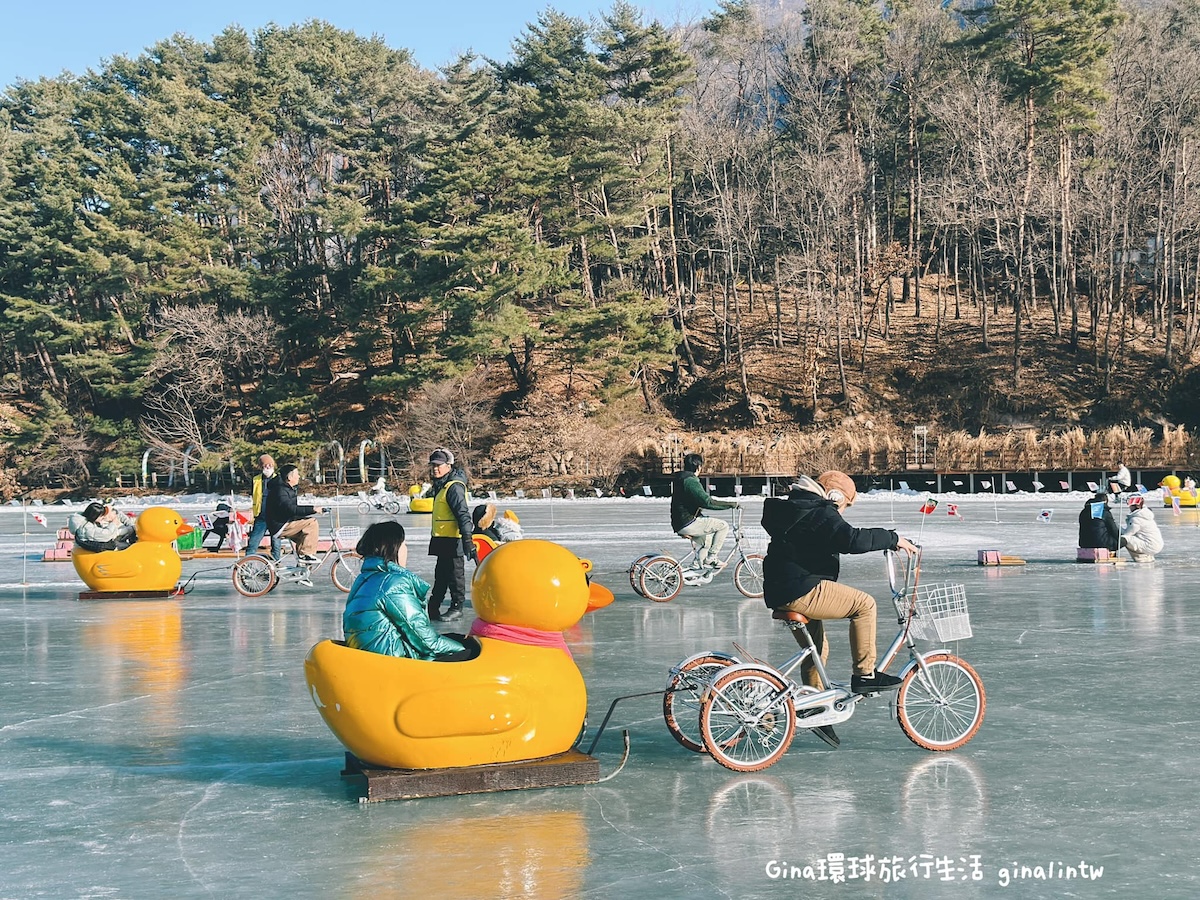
[(168, 748)]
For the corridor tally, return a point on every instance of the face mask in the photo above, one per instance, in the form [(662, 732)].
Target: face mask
[(268, 471)]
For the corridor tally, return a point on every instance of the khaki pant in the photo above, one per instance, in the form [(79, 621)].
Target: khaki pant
[(707, 534), (830, 600), (304, 533)]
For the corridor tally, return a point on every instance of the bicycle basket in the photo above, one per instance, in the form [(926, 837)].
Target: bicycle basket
[(941, 613), (346, 538)]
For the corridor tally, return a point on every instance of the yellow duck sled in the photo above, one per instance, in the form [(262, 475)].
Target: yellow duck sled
[(521, 698), (151, 564)]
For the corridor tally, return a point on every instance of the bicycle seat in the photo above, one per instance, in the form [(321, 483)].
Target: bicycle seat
[(787, 615)]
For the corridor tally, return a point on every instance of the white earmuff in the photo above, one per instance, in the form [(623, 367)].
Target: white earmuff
[(836, 496)]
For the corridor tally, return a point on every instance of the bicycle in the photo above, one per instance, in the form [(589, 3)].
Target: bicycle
[(748, 710), (255, 575), (385, 502), (660, 577)]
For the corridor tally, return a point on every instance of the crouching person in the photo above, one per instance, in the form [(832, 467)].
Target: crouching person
[(1141, 536)]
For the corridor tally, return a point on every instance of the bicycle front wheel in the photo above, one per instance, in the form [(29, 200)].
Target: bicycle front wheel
[(364, 507), (661, 579), (393, 507), (748, 720), (748, 575), (345, 569), (941, 711), (685, 692), (253, 576)]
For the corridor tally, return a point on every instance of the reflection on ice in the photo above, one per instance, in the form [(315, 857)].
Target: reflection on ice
[(170, 748)]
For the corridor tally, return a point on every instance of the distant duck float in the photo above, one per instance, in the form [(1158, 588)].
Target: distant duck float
[(151, 564), (521, 698), (417, 501), (1186, 494)]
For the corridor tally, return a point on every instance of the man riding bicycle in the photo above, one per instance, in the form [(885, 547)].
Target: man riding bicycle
[(688, 498)]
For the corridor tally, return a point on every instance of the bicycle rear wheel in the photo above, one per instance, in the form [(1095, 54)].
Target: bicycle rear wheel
[(661, 579), (345, 569), (748, 575), (943, 711), (635, 573), (393, 507), (253, 576), (747, 721), (364, 507), (685, 691)]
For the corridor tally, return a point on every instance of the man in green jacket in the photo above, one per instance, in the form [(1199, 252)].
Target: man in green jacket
[(688, 498)]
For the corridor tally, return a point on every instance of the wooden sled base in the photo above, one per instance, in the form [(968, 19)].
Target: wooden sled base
[(1004, 561), (375, 783), (126, 595)]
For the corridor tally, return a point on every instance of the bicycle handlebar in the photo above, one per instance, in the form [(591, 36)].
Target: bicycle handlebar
[(912, 564)]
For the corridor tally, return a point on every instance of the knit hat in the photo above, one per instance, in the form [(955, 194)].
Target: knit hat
[(834, 480), (441, 457)]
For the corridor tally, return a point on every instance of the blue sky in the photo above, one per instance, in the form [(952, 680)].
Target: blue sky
[(44, 38)]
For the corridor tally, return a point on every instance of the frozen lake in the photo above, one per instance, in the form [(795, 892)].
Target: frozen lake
[(169, 748)]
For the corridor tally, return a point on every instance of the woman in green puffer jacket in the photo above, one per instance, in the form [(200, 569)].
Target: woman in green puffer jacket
[(385, 612)]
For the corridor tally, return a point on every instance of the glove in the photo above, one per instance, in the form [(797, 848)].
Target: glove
[(470, 553)]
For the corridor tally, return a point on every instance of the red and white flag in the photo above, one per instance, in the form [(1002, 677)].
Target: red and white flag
[(39, 518), (237, 533), (952, 510), (929, 505), (204, 521)]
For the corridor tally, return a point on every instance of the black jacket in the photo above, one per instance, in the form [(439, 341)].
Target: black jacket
[(808, 534), (1101, 532), (282, 507)]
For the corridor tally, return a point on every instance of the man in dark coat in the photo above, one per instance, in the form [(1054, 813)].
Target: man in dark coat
[(1097, 527), (450, 536), (808, 534), (290, 519)]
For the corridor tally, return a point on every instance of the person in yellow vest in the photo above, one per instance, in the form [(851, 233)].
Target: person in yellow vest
[(263, 484), (450, 536)]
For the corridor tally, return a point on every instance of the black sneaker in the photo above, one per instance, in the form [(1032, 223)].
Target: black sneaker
[(453, 614), (874, 683), (828, 735), (304, 558)]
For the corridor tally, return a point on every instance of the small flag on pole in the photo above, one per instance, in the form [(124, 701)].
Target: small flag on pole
[(1175, 505), (39, 518), (1093, 487), (1064, 485), (952, 510), (957, 483), (904, 486), (929, 506), (1037, 485), (241, 517), (599, 493), (646, 489), (1045, 515), (1011, 486), (986, 484), (545, 493), (204, 521), (1098, 509)]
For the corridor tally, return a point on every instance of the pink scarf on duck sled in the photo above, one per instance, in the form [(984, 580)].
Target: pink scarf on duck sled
[(515, 634)]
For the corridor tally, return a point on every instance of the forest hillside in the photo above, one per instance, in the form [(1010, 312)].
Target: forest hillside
[(786, 234)]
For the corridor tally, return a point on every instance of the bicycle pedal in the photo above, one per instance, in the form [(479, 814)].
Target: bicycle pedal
[(304, 581)]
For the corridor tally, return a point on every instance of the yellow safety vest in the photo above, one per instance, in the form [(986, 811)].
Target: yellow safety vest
[(444, 522)]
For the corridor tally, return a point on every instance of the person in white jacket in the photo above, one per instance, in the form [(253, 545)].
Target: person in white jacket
[(1141, 536)]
